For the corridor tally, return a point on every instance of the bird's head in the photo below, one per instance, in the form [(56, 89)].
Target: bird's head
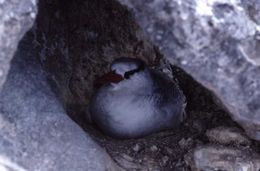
[(121, 69)]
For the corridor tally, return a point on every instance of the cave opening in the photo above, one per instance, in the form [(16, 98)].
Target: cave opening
[(73, 42)]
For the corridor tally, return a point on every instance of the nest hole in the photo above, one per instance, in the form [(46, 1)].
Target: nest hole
[(76, 41)]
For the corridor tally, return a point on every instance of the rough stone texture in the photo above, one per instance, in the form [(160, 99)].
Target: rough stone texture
[(16, 17), (36, 133), (212, 158), (217, 42), (227, 136), (77, 40)]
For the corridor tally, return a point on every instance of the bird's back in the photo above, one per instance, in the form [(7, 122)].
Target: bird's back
[(171, 102)]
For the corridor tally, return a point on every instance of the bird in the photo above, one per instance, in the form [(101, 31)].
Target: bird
[(134, 101)]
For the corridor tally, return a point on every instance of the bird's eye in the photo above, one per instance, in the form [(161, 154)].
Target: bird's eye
[(127, 75)]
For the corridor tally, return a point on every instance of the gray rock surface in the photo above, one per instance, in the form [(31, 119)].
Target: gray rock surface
[(217, 42), (35, 132), (213, 158), (227, 136), (16, 17), (77, 41)]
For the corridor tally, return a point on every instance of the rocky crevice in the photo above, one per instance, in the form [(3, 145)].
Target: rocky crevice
[(214, 41), (73, 42)]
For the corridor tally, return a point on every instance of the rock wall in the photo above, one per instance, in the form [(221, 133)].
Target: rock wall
[(16, 17), (77, 40), (217, 42), (35, 131), (73, 42)]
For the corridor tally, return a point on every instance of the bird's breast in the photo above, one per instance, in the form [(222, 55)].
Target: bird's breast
[(129, 112)]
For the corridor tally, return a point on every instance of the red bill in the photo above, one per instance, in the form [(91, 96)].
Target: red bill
[(110, 77)]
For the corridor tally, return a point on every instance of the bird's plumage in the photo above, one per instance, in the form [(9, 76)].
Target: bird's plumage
[(146, 102)]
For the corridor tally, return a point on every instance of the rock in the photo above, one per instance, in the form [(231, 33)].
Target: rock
[(217, 42), (213, 158), (165, 159), (16, 17), (227, 136), (35, 132), (136, 148), (169, 150), (154, 148), (127, 162), (77, 40), (185, 143)]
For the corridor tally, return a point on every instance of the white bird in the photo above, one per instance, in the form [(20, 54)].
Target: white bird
[(136, 101)]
